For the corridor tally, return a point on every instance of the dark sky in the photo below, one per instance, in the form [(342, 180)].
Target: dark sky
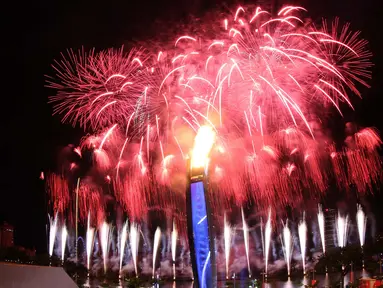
[(36, 32)]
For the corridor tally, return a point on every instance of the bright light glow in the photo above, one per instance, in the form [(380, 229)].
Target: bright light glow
[(267, 240), (227, 239), (174, 241), (52, 234), (104, 240), (302, 232), (245, 228), (89, 242), (134, 237), (321, 227), (342, 230), (287, 246), (203, 143), (174, 247), (123, 237), (64, 235), (361, 221), (157, 238)]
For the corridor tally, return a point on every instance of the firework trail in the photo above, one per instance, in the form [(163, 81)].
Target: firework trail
[(174, 247), (321, 228), (246, 240), (52, 233), (302, 233), (91, 201), (64, 235), (287, 241), (361, 221), (342, 229), (57, 188), (174, 241), (262, 84), (267, 240), (134, 237), (89, 242), (227, 234), (123, 238), (104, 240), (157, 238)]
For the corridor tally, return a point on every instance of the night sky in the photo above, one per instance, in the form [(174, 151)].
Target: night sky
[(36, 32)]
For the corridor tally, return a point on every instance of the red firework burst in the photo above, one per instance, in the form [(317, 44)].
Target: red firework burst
[(260, 82)]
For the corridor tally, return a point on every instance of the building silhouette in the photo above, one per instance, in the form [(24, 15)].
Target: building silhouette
[(329, 227), (6, 235)]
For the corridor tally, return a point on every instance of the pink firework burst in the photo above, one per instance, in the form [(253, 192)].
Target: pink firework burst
[(260, 82)]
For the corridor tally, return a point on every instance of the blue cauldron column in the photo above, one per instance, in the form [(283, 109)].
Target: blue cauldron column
[(200, 230)]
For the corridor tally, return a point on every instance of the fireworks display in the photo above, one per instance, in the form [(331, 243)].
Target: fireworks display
[(134, 238), (104, 241), (227, 234), (262, 83), (262, 86), (342, 224), (156, 243), (89, 243), (174, 236), (287, 246), (246, 240), (302, 233), (123, 238), (266, 241), (52, 234), (321, 228), (64, 235)]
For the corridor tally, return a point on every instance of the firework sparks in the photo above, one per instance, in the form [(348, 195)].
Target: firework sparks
[(361, 221), (252, 87), (342, 230), (246, 239), (203, 143), (267, 241), (321, 228), (64, 235), (157, 238), (52, 234), (134, 237), (227, 239), (287, 246), (302, 233), (123, 238), (174, 247), (104, 240), (89, 242)]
